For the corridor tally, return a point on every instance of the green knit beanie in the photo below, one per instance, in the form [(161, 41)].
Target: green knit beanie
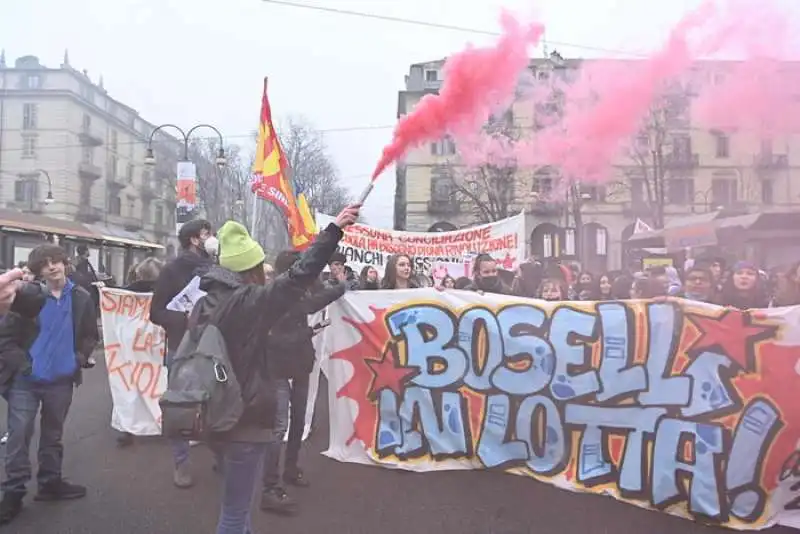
[(238, 251)]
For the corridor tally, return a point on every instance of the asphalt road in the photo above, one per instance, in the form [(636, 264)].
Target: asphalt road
[(130, 491)]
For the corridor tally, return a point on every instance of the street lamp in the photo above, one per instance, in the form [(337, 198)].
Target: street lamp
[(49, 199), (150, 158)]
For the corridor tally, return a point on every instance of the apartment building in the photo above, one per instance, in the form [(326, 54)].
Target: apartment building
[(69, 150), (703, 172)]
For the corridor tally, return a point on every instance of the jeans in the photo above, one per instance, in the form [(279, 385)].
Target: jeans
[(291, 403), (240, 473), (272, 455), (25, 398), (180, 447)]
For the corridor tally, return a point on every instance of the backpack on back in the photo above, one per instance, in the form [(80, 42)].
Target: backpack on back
[(203, 394)]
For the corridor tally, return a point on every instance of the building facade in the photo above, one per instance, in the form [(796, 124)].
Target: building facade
[(696, 170), (69, 150)]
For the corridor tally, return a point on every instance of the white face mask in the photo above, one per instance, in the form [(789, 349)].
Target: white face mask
[(211, 245)]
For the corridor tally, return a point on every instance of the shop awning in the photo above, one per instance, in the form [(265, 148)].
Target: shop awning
[(120, 236), (32, 222), (706, 230)]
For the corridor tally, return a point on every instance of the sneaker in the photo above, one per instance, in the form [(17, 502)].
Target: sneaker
[(276, 500), (10, 507), (4, 439), (182, 477), (296, 479), (60, 490), (124, 440)]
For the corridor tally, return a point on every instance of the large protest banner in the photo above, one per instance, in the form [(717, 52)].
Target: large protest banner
[(364, 245), (134, 354), (677, 406)]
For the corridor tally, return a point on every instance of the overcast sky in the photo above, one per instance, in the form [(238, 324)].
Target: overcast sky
[(190, 61)]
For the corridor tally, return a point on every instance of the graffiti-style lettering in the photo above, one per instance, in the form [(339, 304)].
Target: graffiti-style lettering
[(569, 331), (612, 395)]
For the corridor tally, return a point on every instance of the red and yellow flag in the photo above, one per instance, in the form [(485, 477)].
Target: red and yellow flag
[(272, 181)]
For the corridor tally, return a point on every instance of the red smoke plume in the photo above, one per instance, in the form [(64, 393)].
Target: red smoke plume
[(476, 81)]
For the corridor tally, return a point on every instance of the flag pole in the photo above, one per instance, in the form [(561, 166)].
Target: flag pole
[(254, 220)]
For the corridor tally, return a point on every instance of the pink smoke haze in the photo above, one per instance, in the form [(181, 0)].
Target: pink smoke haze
[(476, 82), (607, 104)]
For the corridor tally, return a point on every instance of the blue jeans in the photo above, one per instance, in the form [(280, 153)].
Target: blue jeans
[(180, 447), (272, 455), (242, 463), (291, 399), (25, 399)]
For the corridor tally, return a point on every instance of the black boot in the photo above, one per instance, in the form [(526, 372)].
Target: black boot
[(60, 490), (296, 478), (10, 507), (277, 501)]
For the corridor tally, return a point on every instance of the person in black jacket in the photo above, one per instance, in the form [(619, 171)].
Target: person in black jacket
[(245, 309), (59, 342), (292, 357), (193, 260)]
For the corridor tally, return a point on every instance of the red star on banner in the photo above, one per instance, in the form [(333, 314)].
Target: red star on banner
[(387, 374), (734, 333)]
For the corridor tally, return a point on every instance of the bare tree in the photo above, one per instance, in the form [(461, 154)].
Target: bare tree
[(488, 190), (659, 156), (221, 191), (313, 170)]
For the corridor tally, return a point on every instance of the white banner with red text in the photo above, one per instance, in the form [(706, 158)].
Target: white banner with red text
[(364, 245), (134, 354), (682, 407)]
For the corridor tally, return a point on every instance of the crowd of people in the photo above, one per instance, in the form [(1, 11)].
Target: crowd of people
[(49, 332)]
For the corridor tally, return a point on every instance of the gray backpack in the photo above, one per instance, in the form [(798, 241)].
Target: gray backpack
[(203, 395)]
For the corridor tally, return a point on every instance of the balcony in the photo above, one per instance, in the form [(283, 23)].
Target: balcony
[(681, 161), (89, 171), (116, 182), (767, 161), (443, 206), (133, 225), (88, 138), (89, 214), (27, 206), (546, 209)]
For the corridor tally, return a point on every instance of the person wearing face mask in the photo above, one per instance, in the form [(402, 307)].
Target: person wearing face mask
[(369, 278), (485, 278), (193, 260)]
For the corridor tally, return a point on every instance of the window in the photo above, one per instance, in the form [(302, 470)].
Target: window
[(593, 193), (22, 190), (159, 218), (601, 241), (767, 192), (132, 207), (86, 194), (442, 189), (682, 146), (129, 173), (723, 191), (114, 141), (33, 81), (87, 155), (543, 186), (569, 241), (86, 126), (543, 75), (30, 116), (681, 191), (29, 145), (431, 76), (111, 171), (638, 195), (443, 147), (723, 146), (114, 205)]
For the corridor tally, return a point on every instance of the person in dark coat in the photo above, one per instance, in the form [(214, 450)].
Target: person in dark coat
[(245, 309), (193, 260), (292, 355)]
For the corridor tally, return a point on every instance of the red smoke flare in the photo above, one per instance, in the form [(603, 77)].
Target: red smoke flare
[(476, 81)]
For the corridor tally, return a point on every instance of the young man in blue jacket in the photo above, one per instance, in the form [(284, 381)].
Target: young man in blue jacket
[(59, 342)]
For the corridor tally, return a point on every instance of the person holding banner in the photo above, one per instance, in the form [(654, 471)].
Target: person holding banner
[(291, 360), (193, 260), (246, 309)]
